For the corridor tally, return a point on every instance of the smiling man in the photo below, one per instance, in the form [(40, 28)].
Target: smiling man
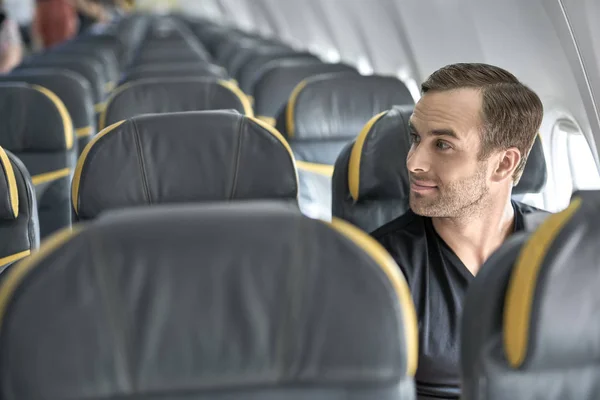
[(471, 131)]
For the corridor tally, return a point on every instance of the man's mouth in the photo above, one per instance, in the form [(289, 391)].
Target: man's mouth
[(422, 186)]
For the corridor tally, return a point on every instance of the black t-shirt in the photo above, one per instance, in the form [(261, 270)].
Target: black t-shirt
[(438, 281)]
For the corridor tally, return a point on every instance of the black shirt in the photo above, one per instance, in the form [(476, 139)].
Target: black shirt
[(438, 281)]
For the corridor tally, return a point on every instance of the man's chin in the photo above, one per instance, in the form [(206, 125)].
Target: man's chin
[(421, 207)]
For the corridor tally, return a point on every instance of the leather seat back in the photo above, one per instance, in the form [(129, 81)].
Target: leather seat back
[(327, 111), (370, 185), (253, 68), (36, 127), (245, 301), (90, 70), (19, 223), (529, 326), (274, 87), (189, 157), (153, 96), (73, 90)]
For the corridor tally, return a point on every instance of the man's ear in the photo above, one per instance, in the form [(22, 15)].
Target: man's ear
[(508, 161)]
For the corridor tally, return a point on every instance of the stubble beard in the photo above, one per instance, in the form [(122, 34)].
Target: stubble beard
[(460, 199)]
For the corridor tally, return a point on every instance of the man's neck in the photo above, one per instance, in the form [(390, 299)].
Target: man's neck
[(476, 235)]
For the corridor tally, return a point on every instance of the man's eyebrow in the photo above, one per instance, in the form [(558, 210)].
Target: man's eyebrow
[(445, 132), (436, 132)]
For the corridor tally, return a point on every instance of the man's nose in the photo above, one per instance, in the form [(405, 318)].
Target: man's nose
[(418, 159)]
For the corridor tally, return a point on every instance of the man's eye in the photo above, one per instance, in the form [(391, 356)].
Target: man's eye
[(442, 145), (414, 138)]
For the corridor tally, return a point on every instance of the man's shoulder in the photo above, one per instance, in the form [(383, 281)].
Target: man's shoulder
[(404, 227)]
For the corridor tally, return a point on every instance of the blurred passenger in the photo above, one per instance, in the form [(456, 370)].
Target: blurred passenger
[(11, 44), (57, 21), (22, 12)]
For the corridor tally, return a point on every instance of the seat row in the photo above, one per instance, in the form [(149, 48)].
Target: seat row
[(318, 118), (253, 300)]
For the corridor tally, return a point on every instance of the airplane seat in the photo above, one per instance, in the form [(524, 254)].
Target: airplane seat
[(532, 183), (36, 127), (89, 69), (188, 157), (275, 85), (107, 57), (164, 95), (240, 58), (19, 223), (324, 113), (327, 111), (72, 89), (225, 301), (530, 326), (370, 185), (254, 66)]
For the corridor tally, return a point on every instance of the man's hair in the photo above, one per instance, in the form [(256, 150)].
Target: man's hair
[(511, 113)]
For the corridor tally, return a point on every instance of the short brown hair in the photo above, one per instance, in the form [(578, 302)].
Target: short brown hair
[(511, 112)]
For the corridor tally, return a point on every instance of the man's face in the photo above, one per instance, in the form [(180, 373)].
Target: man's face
[(447, 177)]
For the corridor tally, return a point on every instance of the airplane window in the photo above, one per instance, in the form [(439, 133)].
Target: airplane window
[(573, 161)]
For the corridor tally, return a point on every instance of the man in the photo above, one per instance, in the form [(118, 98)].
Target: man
[(471, 131)]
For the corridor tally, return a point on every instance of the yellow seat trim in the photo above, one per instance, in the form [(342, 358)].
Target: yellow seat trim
[(64, 114), (81, 162), (269, 120), (15, 275), (13, 191), (14, 257), (109, 86), (291, 108), (392, 271), (104, 110), (100, 107), (84, 132), (523, 282), (321, 169), (284, 142), (50, 176), (356, 154), (244, 99)]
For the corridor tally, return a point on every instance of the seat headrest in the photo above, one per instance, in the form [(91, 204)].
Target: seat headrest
[(164, 95), (532, 309), (339, 105), (72, 88), (19, 222), (197, 156), (9, 198), (90, 69), (370, 185), (377, 165), (254, 67), (275, 86), (252, 301), (32, 118), (535, 173)]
